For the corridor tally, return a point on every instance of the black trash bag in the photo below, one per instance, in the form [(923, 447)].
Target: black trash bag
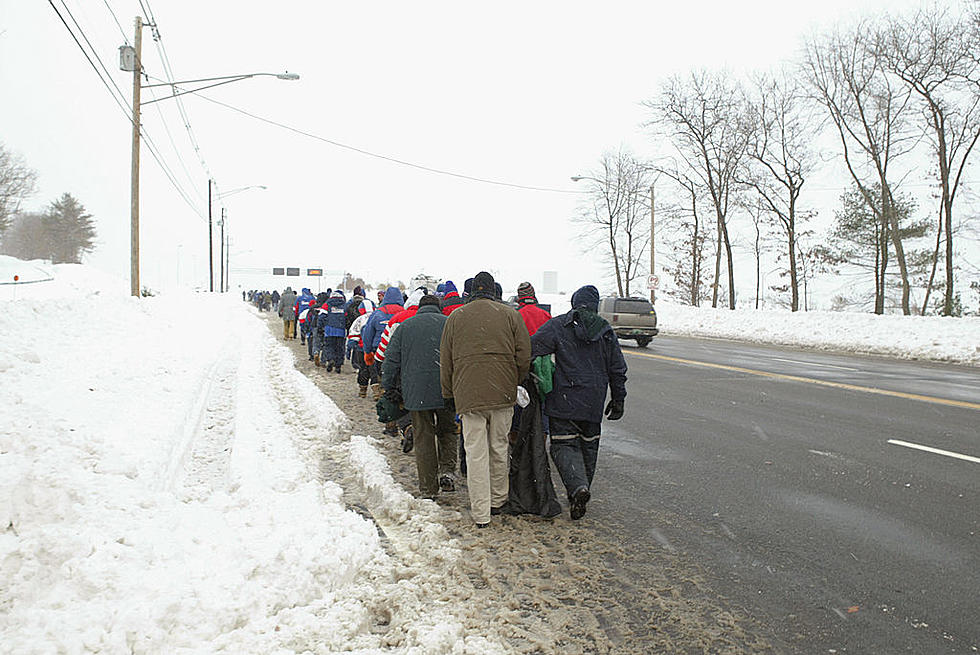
[(531, 490), (389, 410)]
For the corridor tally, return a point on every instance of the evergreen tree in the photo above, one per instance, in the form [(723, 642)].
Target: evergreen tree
[(69, 229)]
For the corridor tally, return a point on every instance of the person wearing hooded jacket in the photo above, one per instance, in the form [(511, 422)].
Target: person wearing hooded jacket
[(334, 331), (411, 307), (391, 304), (303, 304), (588, 360)]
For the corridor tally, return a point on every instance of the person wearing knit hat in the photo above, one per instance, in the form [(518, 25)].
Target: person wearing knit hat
[(450, 299), (484, 355), (588, 359), (527, 306)]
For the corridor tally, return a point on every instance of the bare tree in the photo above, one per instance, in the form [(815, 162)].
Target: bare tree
[(688, 236), (17, 182), (781, 156), (870, 112), (934, 54), (705, 120), (617, 215)]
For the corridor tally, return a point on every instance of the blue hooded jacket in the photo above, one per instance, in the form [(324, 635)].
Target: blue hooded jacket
[(336, 324), (391, 304)]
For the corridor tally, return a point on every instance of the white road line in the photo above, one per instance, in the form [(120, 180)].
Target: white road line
[(797, 361), (929, 449)]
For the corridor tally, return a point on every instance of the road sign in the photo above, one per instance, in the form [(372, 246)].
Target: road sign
[(278, 271), (314, 272), (292, 271), (653, 281)]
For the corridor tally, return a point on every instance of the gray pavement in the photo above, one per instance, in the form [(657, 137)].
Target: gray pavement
[(791, 497)]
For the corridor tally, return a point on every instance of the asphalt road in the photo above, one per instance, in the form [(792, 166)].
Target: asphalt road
[(789, 495)]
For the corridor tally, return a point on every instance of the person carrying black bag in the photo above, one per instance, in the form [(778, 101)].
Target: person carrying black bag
[(587, 360)]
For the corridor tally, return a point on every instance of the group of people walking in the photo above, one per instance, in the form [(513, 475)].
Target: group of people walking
[(441, 363)]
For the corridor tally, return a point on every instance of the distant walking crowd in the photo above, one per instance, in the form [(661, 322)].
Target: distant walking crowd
[(467, 378)]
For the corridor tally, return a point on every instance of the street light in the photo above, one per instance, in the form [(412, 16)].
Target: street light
[(221, 223), (653, 244), (130, 59)]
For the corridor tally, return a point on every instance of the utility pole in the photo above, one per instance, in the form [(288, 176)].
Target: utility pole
[(653, 246), (134, 199), (221, 288), (210, 242)]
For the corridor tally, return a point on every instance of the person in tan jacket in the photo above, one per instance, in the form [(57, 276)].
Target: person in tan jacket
[(485, 352)]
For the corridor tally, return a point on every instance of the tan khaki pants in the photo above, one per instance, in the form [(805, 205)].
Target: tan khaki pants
[(487, 469), (288, 328)]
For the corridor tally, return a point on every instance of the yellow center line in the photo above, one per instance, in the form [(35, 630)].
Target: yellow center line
[(825, 383)]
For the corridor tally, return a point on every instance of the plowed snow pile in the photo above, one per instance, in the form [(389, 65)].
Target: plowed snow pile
[(161, 490)]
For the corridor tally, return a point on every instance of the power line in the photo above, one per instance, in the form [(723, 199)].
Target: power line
[(118, 24), (394, 160), (151, 146), (169, 73)]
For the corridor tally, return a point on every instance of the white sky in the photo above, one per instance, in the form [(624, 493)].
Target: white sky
[(528, 93)]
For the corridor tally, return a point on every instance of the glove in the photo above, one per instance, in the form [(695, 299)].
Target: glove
[(614, 410), (369, 358)]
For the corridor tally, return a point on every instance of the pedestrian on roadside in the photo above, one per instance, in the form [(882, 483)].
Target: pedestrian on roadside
[(450, 299), (303, 303), (287, 311), (412, 361), (588, 359), (391, 304), (334, 331), (485, 354), (365, 374), (534, 317)]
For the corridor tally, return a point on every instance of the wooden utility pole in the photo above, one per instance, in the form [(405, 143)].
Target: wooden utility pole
[(653, 247), (134, 202)]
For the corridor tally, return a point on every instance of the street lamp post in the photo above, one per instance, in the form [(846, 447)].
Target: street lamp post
[(130, 59)]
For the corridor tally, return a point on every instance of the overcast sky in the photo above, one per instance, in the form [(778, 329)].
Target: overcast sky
[(527, 93)]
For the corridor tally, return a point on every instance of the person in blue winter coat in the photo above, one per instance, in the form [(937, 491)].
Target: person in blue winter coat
[(334, 331), (588, 359), (391, 304), (303, 303)]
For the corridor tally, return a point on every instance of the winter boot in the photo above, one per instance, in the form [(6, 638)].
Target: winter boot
[(446, 482), (391, 429), (337, 369), (376, 389), (329, 366), (316, 359), (408, 439), (362, 392), (579, 499)]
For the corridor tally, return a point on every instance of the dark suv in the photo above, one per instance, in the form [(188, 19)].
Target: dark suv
[(630, 318)]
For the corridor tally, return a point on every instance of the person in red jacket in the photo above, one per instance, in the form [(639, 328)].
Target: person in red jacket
[(527, 306), (450, 299)]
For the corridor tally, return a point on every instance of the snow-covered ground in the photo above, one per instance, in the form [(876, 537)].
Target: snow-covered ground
[(161, 490), (162, 484)]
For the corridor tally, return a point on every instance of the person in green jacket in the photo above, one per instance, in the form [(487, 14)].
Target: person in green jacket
[(412, 362)]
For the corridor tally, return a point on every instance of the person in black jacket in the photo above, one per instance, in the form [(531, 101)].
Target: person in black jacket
[(587, 360)]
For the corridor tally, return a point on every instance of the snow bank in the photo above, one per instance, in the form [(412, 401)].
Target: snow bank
[(152, 498), (911, 337)]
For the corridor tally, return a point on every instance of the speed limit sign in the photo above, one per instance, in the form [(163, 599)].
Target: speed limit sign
[(653, 281)]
